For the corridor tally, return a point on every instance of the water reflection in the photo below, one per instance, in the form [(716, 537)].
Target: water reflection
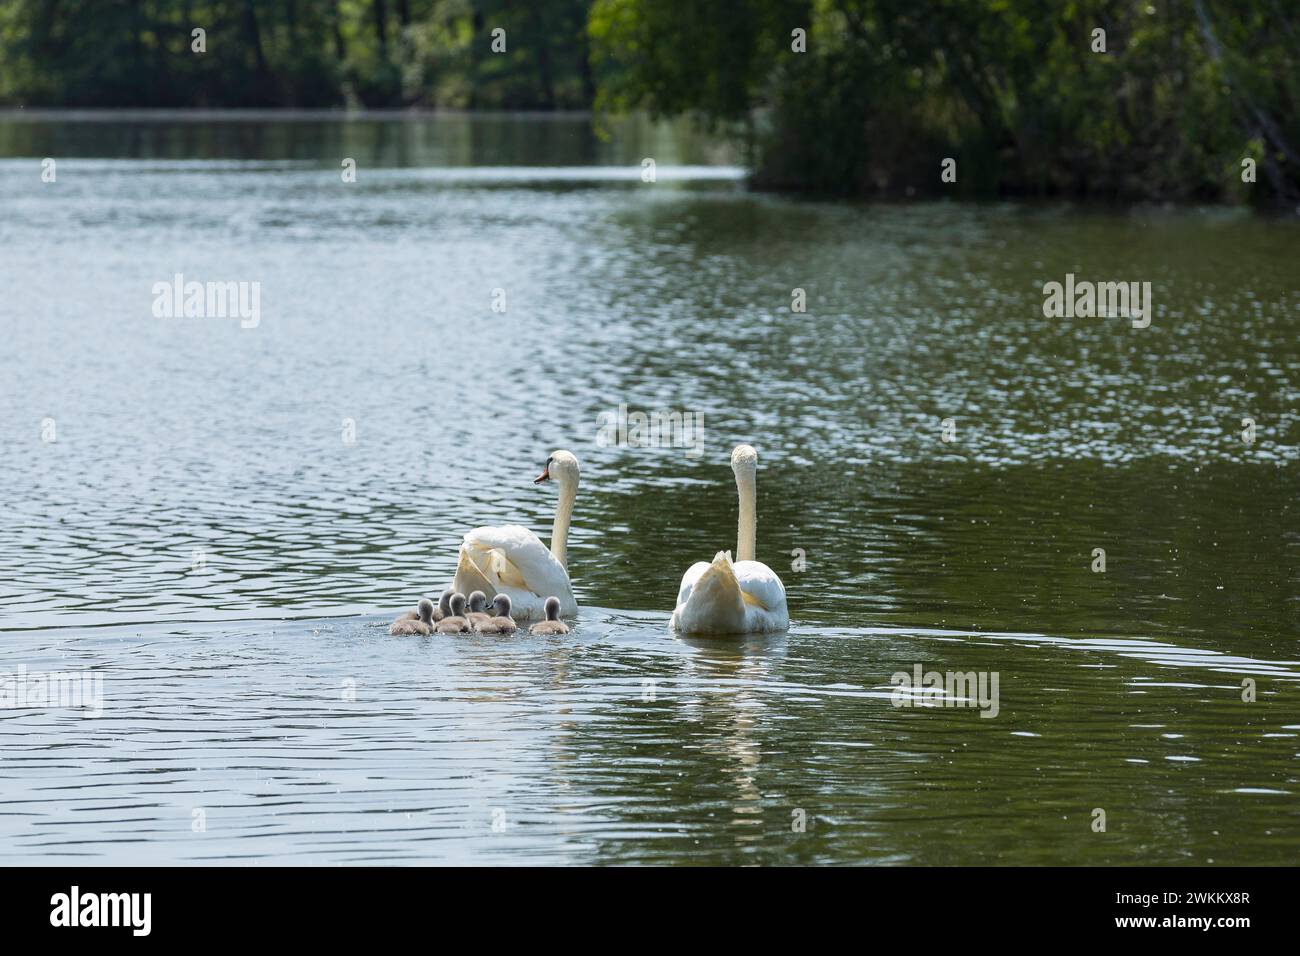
[(409, 139), (328, 741)]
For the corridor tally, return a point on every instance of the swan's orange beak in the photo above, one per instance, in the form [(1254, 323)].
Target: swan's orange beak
[(544, 476)]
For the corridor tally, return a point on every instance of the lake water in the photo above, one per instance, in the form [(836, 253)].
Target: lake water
[(216, 521)]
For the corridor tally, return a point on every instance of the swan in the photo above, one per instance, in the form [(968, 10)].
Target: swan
[(740, 597), (421, 624), (552, 624), (441, 611), (511, 560), (444, 605), (502, 623), (475, 615), (455, 623)]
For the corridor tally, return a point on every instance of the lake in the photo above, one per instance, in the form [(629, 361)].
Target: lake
[(215, 519)]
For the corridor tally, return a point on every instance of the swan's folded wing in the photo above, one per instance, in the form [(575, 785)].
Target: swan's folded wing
[(688, 581), (511, 560), (513, 556), (711, 599), (470, 575), (760, 587)]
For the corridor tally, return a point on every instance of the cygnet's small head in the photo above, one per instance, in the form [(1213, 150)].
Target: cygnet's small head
[(561, 467), (552, 609), (477, 601), (457, 604), (426, 610), (444, 602), (501, 604)]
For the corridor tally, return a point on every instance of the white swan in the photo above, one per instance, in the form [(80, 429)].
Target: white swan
[(511, 560), (744, 597)]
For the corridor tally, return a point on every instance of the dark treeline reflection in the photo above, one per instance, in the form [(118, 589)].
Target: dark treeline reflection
[(1110, 98), (390, 140)]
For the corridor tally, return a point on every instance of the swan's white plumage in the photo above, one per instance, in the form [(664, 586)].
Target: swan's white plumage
[(511, 560), (726, 597), (740, 597)]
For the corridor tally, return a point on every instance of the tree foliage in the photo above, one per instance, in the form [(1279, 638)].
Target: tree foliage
[(886, 89), (1011, 89), (298, 53)]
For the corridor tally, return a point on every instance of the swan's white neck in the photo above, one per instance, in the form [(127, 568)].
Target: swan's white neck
[(563, 515), (746, 486)]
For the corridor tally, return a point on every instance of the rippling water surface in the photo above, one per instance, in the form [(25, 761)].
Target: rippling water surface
[(202, 535)]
